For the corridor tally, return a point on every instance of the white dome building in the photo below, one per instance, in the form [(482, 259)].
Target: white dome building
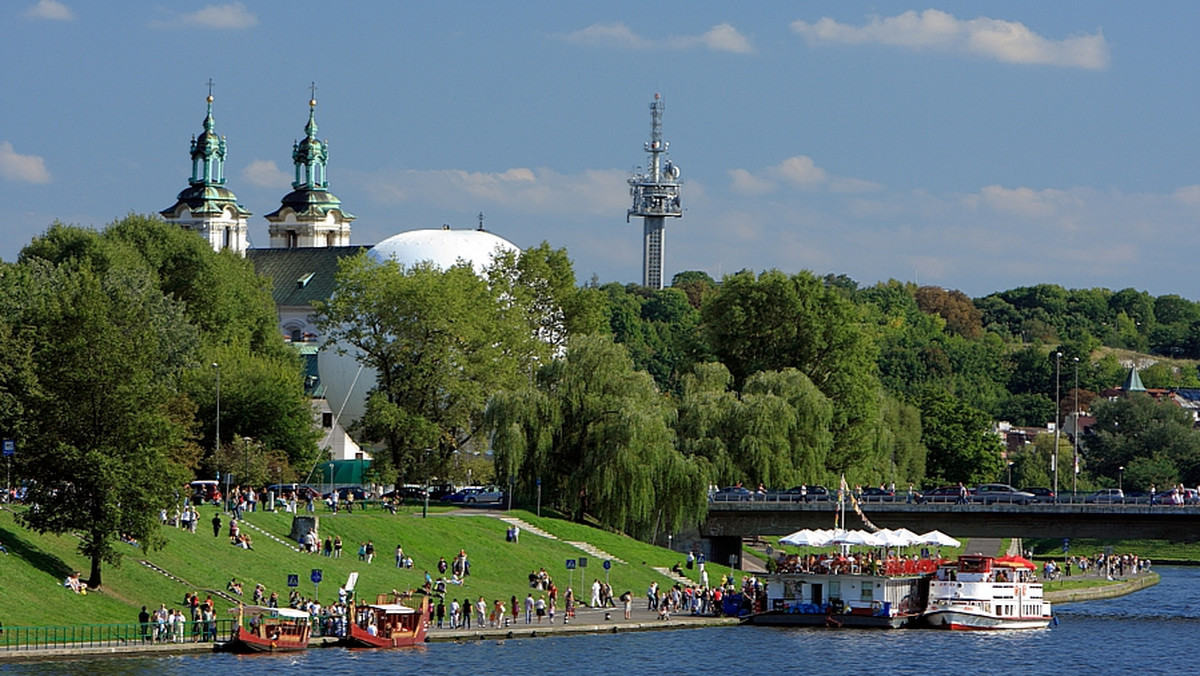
[(443, 248), (345, 380)]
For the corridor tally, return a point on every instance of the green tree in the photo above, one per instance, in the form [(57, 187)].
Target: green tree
[(597, 433), (1137, 427), (962, 446), (440, 342), (773, 322), (103, 429)]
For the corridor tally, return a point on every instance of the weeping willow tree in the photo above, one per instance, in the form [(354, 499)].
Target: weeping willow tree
[(596, 433), (776, 431)]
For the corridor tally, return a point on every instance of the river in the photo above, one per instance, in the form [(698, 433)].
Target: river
[(1150, 631)]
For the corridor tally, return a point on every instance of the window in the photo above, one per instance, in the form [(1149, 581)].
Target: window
[(327, 419)]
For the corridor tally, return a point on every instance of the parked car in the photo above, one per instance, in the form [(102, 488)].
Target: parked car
[(990, 494), (301, 491), (1040, 494), (810, 493), (876, 494), (1106, 496), (358, 492), (406, 492), (1187, 496), (476, 495), (733, 494), (943, 495)]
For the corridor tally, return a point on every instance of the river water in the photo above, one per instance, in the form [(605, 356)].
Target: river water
[(1151, 631)]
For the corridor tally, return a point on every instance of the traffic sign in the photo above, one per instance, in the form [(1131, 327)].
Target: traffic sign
[(10, 448), (316, 576), (570, 564), (294, 580), (583, 562), (607, 564)]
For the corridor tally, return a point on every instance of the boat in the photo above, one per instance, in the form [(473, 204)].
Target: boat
[(831, 592), (983, 592), (388, 625), (261, 629)]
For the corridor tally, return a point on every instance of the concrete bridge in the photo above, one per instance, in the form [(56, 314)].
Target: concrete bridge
[(728, 522)]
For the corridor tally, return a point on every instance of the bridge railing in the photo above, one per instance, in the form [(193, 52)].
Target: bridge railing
[(114, 635)]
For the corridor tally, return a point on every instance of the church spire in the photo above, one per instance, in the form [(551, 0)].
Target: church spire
[(206, 206), (310, 215), (311, 154), (208, 151)]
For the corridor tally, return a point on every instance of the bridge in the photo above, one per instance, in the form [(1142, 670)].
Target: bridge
[(728, 522)]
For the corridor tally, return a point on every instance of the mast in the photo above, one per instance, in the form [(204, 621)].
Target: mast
[(655, 193)]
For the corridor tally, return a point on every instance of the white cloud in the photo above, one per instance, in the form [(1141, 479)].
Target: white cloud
[(746, 183), (25, 168), (230, 16), (520, 189), (1025, 202), (265, 174), (1188, 194), (1006, 41), (799, 172), (50, 9), (720, 38)]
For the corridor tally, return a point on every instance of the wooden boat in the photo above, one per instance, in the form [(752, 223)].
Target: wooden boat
[(269, 630), (388, 625)]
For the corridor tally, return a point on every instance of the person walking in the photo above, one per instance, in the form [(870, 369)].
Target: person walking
[(216, 524)]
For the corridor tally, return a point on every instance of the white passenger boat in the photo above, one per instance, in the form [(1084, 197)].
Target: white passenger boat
[(983, 592)]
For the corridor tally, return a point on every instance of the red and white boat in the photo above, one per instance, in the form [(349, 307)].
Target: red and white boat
[(388, 625), (983, 592), (269, 630)]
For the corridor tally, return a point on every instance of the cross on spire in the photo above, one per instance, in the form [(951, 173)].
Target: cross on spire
[(313, 91), (210, 86)]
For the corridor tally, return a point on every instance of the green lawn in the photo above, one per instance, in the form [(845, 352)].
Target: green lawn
[(32, 592)]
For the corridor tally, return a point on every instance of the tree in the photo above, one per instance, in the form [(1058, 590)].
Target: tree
[(962, 446), (773, 322), (440, 342), (961, 315), (103, 424), (1137, 427), (596, 432)]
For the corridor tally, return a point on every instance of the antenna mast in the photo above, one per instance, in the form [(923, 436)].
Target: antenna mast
[(655, 197)]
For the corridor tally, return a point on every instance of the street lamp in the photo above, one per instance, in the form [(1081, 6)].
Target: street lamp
[(245, 458), (1121, 478), (1075, 436), (1057, 426), (217, 437), (1010, 464)]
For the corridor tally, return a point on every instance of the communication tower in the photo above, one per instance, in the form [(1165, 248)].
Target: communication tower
[(655, 194)]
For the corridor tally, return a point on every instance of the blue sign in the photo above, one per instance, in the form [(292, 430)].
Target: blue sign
[(293, 580), (607, 564), (316, 576), (1066, 545), (10, 448), (570, 564), (583, 562)]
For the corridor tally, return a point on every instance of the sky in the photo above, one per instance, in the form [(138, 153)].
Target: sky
[(979, 146)]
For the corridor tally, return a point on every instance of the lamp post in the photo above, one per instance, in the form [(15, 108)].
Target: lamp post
[(1057, 426), (1010, 464), (217, 436), (245, 458), (1121, 478), (1075, 436)]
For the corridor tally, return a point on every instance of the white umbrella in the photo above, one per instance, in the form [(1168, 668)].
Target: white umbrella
[(805, 538), (904, 532), (938, 538), (856, 537), (891, 538)]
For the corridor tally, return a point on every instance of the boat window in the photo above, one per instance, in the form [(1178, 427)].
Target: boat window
[(867, 593)]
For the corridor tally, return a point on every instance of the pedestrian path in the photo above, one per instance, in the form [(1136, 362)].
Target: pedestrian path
[(171, 576), (687, 582), (246, 524), (586, 548)]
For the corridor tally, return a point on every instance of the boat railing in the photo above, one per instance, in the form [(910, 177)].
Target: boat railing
[(129, 635)]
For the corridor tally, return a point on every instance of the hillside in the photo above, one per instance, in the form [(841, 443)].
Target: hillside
[(33, 572)]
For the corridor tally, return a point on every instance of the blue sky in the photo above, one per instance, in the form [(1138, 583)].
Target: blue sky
[(972, 145)]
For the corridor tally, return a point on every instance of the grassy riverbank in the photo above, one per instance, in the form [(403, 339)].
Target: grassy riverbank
[(32, 574)]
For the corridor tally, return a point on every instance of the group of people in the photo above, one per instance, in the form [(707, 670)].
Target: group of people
[(1109, 566), (197, 622), (237, 538)]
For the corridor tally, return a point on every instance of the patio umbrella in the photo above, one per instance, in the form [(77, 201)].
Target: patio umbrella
[(856, 537), (938, 538), (1016, 561), (806, 538), (891, 538)]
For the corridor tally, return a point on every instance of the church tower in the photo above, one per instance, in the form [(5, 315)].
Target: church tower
[(206, 206), (310, 216)]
